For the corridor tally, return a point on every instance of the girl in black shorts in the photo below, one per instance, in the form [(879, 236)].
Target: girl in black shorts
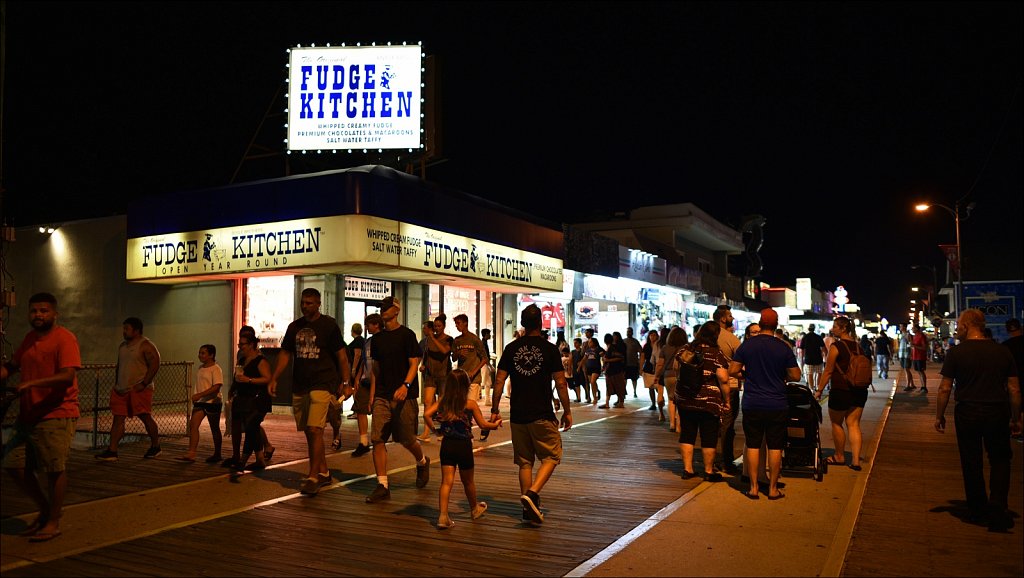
[(455, 415)]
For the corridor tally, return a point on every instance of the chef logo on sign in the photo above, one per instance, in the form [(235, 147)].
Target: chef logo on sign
[(474, 258), (386, 76), (208, 246)]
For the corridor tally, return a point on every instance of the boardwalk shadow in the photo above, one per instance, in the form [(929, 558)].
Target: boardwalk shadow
[(959, 510), (675, 465), (13, 526)]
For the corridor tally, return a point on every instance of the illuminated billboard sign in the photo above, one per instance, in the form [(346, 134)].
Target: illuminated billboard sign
[(334, 242), (355, 97), (803, 293)]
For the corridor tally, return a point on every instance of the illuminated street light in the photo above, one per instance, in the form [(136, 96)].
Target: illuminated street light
[(955, 211)]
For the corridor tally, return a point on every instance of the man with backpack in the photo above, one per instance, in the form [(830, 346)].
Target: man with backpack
[(849, 372)]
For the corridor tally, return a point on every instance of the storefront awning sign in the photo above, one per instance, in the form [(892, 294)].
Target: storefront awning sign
[(334, 242)]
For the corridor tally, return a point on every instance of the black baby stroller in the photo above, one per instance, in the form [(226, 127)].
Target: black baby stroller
[(803, 440)]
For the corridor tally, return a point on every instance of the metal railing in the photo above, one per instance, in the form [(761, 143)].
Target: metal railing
[(172, 404)]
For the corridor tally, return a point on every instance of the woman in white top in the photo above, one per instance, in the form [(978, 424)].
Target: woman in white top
[(206, 404)]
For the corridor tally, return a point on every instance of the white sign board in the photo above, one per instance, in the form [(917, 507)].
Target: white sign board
[(355, 97), (803, 293)]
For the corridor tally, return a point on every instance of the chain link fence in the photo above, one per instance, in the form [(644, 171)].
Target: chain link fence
[(172, 403)]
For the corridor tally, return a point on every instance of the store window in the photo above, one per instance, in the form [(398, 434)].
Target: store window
[(270, 307), (463, 301)]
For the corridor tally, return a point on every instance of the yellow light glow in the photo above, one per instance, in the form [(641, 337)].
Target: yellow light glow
[(922, 207), (913, 288)]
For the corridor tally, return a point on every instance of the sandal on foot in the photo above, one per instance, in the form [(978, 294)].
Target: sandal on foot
[(778, 496), (44, 536), (336, 444), (750, 496), (445, 524), (33, 528), (479, 510), (855, 467), (832, 461)]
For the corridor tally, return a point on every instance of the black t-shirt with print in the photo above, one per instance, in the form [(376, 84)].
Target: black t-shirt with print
[(314, 346), (530, 362)]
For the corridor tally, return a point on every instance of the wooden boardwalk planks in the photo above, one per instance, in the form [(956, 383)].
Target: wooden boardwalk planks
[(614, 476), (909, 524)]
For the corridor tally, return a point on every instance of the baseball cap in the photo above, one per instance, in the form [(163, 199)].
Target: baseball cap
[(387, 302), (769, 317)]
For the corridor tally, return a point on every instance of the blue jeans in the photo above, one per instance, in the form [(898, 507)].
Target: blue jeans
[(988, 426), (883, 366)]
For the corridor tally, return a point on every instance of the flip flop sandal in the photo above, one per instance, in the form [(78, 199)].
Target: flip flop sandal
[(832, 461), (44, 536)]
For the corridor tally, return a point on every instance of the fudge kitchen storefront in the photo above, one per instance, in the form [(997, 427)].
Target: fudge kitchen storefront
[(369, 232)]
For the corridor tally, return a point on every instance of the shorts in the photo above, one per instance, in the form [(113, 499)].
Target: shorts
[(44, 446), (633, 372), (670, 385), (131, 403), (615, 384), (690, 422), (207, 407), (847, 399), (457, 452), (814, 368), (310, 409), (761, 425), (536, 440), (919, 364), (361, 398), (394, 419), (905, 362), (435, 382)]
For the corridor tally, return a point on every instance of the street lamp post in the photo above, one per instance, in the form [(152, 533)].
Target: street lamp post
[(935, 286), (958, 288)]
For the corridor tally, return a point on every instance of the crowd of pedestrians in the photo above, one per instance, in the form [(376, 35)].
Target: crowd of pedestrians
[(381, 374)]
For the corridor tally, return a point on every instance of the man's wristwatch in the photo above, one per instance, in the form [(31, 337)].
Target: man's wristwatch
[(407, 384)]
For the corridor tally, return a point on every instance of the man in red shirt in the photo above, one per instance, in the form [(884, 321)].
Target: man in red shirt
[(919, 355), (48, 359)]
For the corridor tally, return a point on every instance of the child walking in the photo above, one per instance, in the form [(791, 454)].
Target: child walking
[(455, 415)]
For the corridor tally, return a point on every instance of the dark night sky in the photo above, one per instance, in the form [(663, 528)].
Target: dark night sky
[(831, 119)]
